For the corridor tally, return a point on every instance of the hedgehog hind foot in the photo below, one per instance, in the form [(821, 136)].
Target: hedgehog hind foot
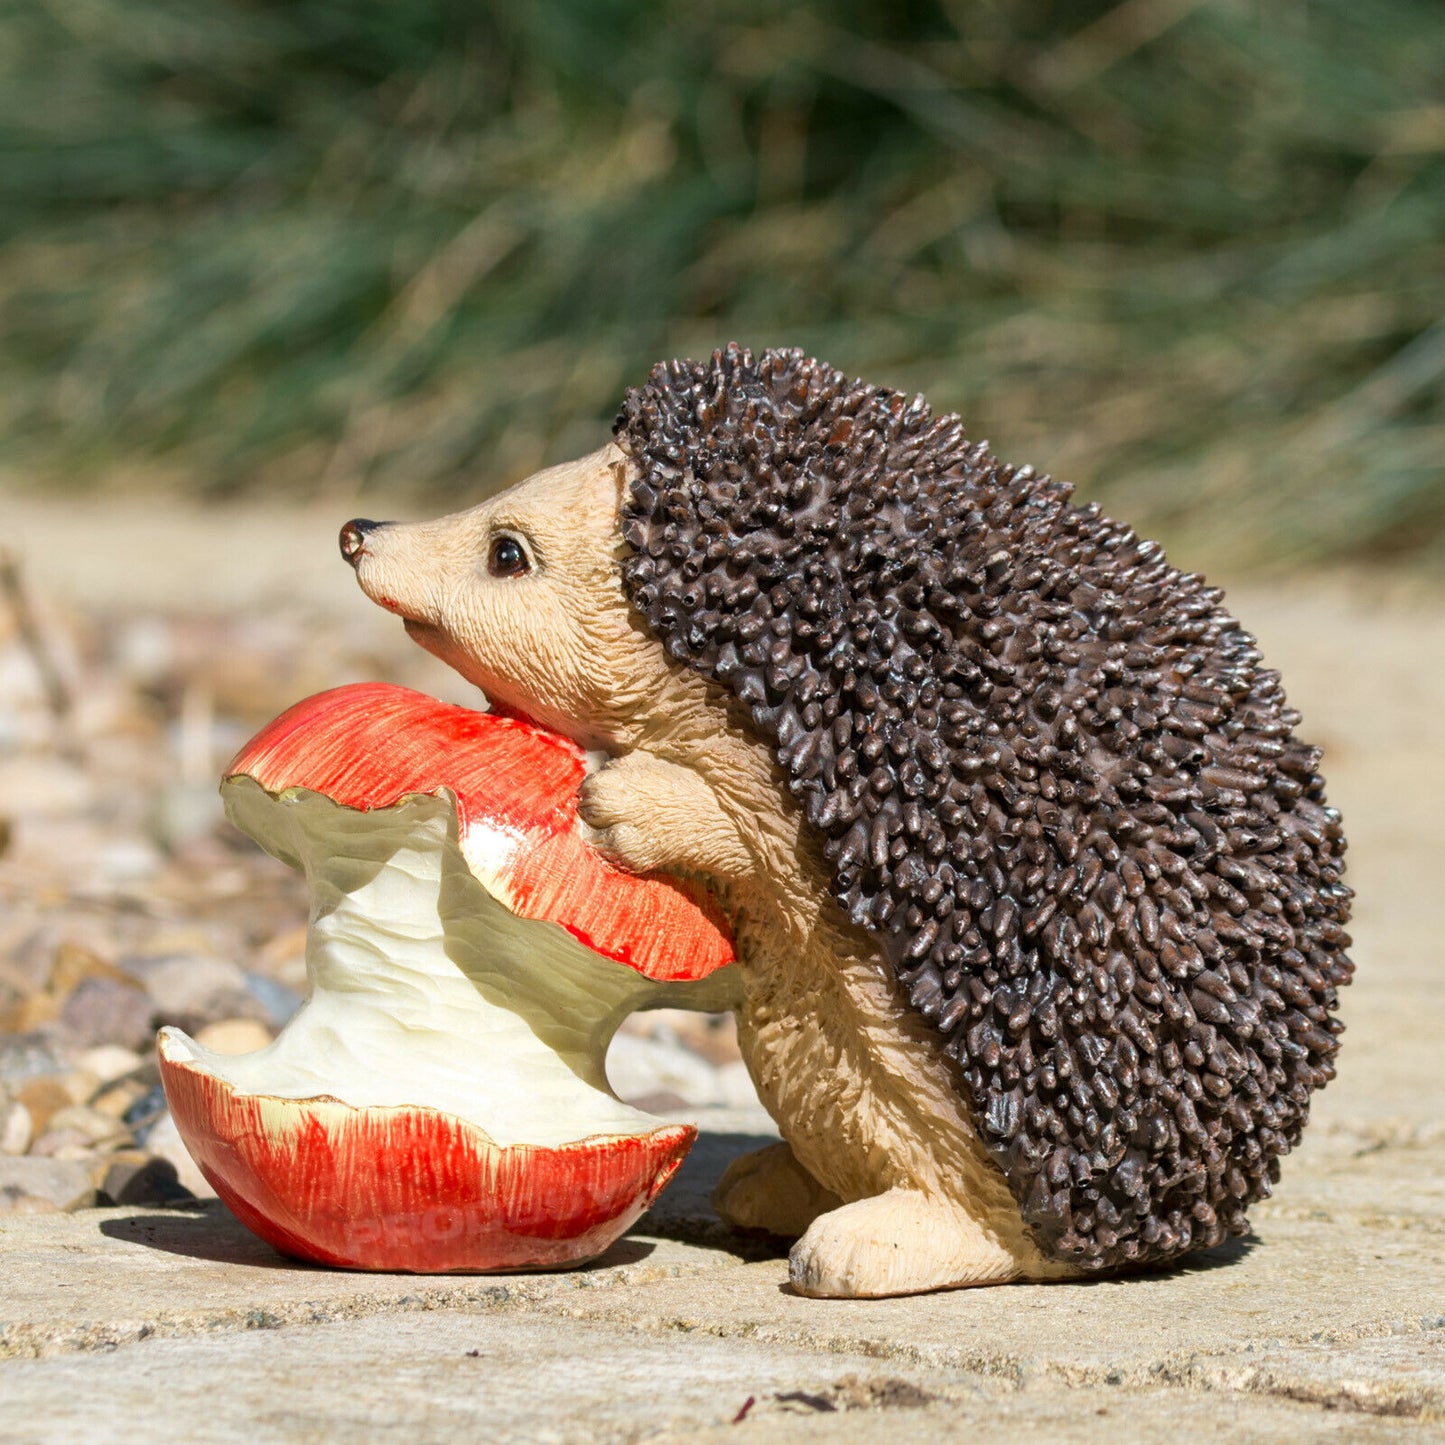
[(898, 1243), (769, 1190)]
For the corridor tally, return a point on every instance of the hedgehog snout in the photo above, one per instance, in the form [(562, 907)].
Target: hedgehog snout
[(353, 537)]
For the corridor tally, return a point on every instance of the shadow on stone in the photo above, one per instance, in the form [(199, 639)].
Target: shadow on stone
[(1230, 1252), (213, 1233), (627, 1250), (1222, 1256), (685, 1211)]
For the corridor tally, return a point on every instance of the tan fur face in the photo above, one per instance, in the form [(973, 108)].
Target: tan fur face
[(558, 641)]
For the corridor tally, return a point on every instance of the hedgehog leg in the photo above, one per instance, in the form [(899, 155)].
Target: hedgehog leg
[(654, 815), (769, 1190), (900, 1242)]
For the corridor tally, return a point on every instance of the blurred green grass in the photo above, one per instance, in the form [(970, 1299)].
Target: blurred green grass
[(1186, 254)]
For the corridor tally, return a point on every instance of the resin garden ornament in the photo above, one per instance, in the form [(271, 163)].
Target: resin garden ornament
[(1034, 894)]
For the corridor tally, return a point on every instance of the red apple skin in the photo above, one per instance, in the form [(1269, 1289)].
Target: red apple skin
[(412, 1190), (368, 745)]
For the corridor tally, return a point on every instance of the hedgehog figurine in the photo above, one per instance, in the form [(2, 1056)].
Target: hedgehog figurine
[(1036, 895)]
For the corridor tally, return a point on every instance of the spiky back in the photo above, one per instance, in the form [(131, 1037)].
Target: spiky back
[(1050, 771)]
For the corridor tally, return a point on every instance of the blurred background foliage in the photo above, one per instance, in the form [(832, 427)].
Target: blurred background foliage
[(1187, 253)]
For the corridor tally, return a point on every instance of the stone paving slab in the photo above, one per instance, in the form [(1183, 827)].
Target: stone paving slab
[(438, 1377), (515, 1376), (1396, 1375), (1301, 1282), (110, 1277), (1357, 1178), (1053, 1415)]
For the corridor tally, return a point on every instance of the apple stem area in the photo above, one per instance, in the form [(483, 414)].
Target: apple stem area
[(426, 991)]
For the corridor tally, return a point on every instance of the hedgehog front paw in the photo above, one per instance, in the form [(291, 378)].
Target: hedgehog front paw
[(650, 815), (769, 1190), (901, 1242), (616, 815)]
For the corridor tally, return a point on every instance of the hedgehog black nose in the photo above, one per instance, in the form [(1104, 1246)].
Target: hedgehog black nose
[(353, 537)]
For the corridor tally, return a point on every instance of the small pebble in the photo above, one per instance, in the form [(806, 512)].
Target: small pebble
[(108, 1062), (149, 1181), (639, 1068), (662, 1102), (14, 1201), (16, 1128), (279, 1001), (51, 1093), (164, 1142), (43, 787), (63, 1144), (31, 1014), (194, 987), (95, 1129), (712, 1036), (145, 1112), (234, 1036), (284, 959), (120, 1098), (184, 811), (103, 1010), (73, 963), (26, 1056), (65, 1183)]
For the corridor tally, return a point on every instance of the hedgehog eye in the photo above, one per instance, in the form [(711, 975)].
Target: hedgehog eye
[(507, 557)]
